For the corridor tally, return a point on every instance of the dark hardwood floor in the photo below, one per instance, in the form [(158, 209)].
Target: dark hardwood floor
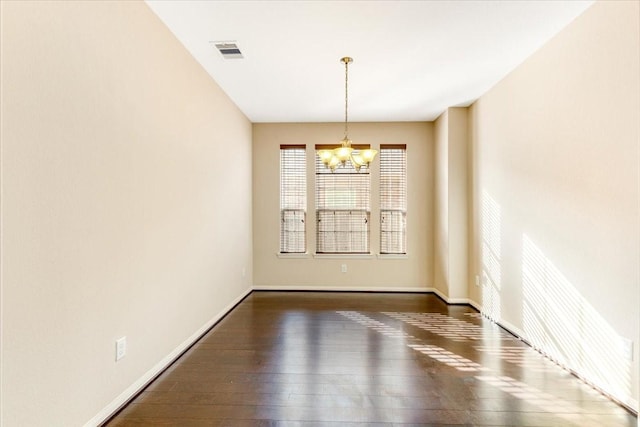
[(366, 359)]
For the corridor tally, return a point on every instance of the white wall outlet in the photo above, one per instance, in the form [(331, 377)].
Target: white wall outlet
[(627, 348), (343, 268), (121, 348), (477, 280)]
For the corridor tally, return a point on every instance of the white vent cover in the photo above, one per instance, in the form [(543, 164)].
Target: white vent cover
[(228, 50)]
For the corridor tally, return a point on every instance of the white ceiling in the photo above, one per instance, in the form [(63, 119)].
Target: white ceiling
[(412, 59)]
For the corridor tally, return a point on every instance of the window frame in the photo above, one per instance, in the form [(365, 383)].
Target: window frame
[(393, 200), (346, 202), (295, 202)]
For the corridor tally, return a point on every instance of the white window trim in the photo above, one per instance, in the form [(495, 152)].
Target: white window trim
[(394, 194), (392, 256), (292, 255), (343, 256), (297, 190)]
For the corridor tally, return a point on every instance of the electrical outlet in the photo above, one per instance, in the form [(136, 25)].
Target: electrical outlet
[(477, 280), (343, 268), (627, 348), (121, 348)]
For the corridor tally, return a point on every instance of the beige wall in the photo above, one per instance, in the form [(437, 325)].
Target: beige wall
[(458, 207), (117, 220), (441, 216), (452, 210), (117, 216), (556, 165), (414, 272)]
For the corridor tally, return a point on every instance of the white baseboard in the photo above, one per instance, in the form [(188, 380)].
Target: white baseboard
[(514, 330), (408, 289), (630, 403), (475, 305), (450, 300), (418, 289), (143, 381)]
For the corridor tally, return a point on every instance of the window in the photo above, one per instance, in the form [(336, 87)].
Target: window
[(393, 199), (293, 198), (342, 208)]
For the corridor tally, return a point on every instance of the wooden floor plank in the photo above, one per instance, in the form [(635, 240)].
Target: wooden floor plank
[(364, 359)]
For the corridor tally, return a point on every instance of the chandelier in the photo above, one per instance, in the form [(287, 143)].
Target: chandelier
[(340, 155)]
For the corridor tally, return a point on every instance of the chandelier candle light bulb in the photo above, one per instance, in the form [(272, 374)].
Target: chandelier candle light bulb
[(340, 155)]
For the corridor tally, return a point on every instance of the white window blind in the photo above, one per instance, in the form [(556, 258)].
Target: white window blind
[(393, 199), (293, 198), (342, 208)]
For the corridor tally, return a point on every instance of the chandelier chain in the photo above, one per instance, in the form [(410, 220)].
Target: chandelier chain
[(346, 99), (332, 158)]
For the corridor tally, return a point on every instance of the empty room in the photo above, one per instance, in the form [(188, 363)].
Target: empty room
[(320, 213)]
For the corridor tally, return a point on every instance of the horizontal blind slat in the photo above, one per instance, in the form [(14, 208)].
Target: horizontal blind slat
[(393, 199), (293, 198), (343, 202)]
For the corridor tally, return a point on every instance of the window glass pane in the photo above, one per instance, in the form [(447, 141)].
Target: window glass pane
[(293, 199), (393, 199), (342, 209)]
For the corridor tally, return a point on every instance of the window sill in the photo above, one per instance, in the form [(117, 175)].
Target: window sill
[(392, 256), (292, 255), (343, 256)]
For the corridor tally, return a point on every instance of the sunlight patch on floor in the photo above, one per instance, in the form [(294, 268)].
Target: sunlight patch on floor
[(447, 326)]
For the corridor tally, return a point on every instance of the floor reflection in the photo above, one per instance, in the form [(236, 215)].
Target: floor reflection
[(354, 359), (459, 330), (523, 357), (448, 358), (448, 327)]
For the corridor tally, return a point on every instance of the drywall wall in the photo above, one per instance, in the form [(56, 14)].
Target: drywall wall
[(556, 193), (441, 216), (413, 272), (118, 217), (452, 210), (458, 207)]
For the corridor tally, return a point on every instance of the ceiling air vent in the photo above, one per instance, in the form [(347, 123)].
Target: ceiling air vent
[(228, 50)]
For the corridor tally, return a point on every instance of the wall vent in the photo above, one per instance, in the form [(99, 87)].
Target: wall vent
[(228, 50)]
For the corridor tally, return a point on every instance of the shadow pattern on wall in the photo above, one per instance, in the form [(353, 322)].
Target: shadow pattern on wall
[(558, 321)]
